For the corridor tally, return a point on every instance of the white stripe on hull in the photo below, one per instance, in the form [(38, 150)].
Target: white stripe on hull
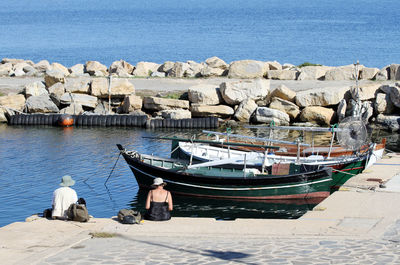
[(218, 188)]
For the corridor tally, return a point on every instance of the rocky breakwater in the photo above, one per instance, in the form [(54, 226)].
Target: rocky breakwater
[(246, 97)]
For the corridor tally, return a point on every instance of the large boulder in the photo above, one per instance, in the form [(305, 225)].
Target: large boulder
[(20, 69), (131, 103), (40, 104), (14, 102), (383, 74), (321, 97), (5, 69), (313, 72), (77, 85), (394, 72), (205, 94), (61, 68), (3, 118), (56, 92), (395, 95), (35, 89), (119, 88), (82, 99), (383, 104), (319, 115), (42, 66), (145, 69), (156, 103), (245, 109), (166, 67), (282, 74), (208, 71), (77, 70), (283, 92), (221, 111), (236, 91), (368, 73), (346, 72), (176, 114), (122, 68), (73, 109), (179, 70), (274, 65), (285, 106), (195, 69), (268, 115), (53, 76), (391, 122), (215, 62), (247, 69), (12, 61), (365, 92), (95, 68)]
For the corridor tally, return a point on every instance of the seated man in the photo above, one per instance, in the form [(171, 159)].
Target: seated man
[(63, 197)]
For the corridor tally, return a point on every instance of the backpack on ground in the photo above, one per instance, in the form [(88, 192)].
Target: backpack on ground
[(78, 213), (127, 216)]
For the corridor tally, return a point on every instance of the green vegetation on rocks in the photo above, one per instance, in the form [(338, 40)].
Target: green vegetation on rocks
[(308, 64)]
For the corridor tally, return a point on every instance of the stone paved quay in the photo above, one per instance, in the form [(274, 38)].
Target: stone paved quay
[(360, 224)]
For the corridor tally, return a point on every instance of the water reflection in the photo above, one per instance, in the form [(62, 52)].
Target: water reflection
[(231, 209), (34, 158)]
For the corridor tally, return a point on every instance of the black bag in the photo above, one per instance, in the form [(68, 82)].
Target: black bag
[(127, 216), (78, 213), (48, 213)]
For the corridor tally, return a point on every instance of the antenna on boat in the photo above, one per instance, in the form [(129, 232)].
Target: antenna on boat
[(109, 93)]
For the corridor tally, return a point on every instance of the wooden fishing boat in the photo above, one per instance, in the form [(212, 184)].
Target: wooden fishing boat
[(302, 181), (343, 168)]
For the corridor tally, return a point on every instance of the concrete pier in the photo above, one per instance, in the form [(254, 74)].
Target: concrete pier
[(358, 224)]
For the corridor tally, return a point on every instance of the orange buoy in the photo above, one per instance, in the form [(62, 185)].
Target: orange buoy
[(65, 120)]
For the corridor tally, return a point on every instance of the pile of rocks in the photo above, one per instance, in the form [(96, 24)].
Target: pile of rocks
[(86, 88), (245, 100), (212, 67)]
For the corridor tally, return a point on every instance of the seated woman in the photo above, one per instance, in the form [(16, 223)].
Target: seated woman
[(159, 202)]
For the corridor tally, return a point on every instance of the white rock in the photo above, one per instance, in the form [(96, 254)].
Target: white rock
[(285, 106), (176, 114), (268, 115), (60, 67), (40, 104), (282, 74), (368, 73), (321, 97), (119, 87), (73, 109), (247, 69), (131, 103), (392, 122), (35, 89), (5, 69), (56, 91), (245, 109), (95, 68), (53, 76), (313, 72), (42, 66), (84, 100), (145, 68), (365, 92), (14, 102), (274, 65), (179, 70), (319, 115), (204, 94), (221, 111), (235, 92), (77, 70), (156, 103), (394, 72), (77, 85), (215, 62), (283, 92)]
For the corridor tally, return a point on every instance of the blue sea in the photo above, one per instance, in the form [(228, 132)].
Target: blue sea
[(327, 32)]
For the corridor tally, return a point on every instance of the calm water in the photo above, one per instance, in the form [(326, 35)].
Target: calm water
[(33, 160), (327, 32)]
